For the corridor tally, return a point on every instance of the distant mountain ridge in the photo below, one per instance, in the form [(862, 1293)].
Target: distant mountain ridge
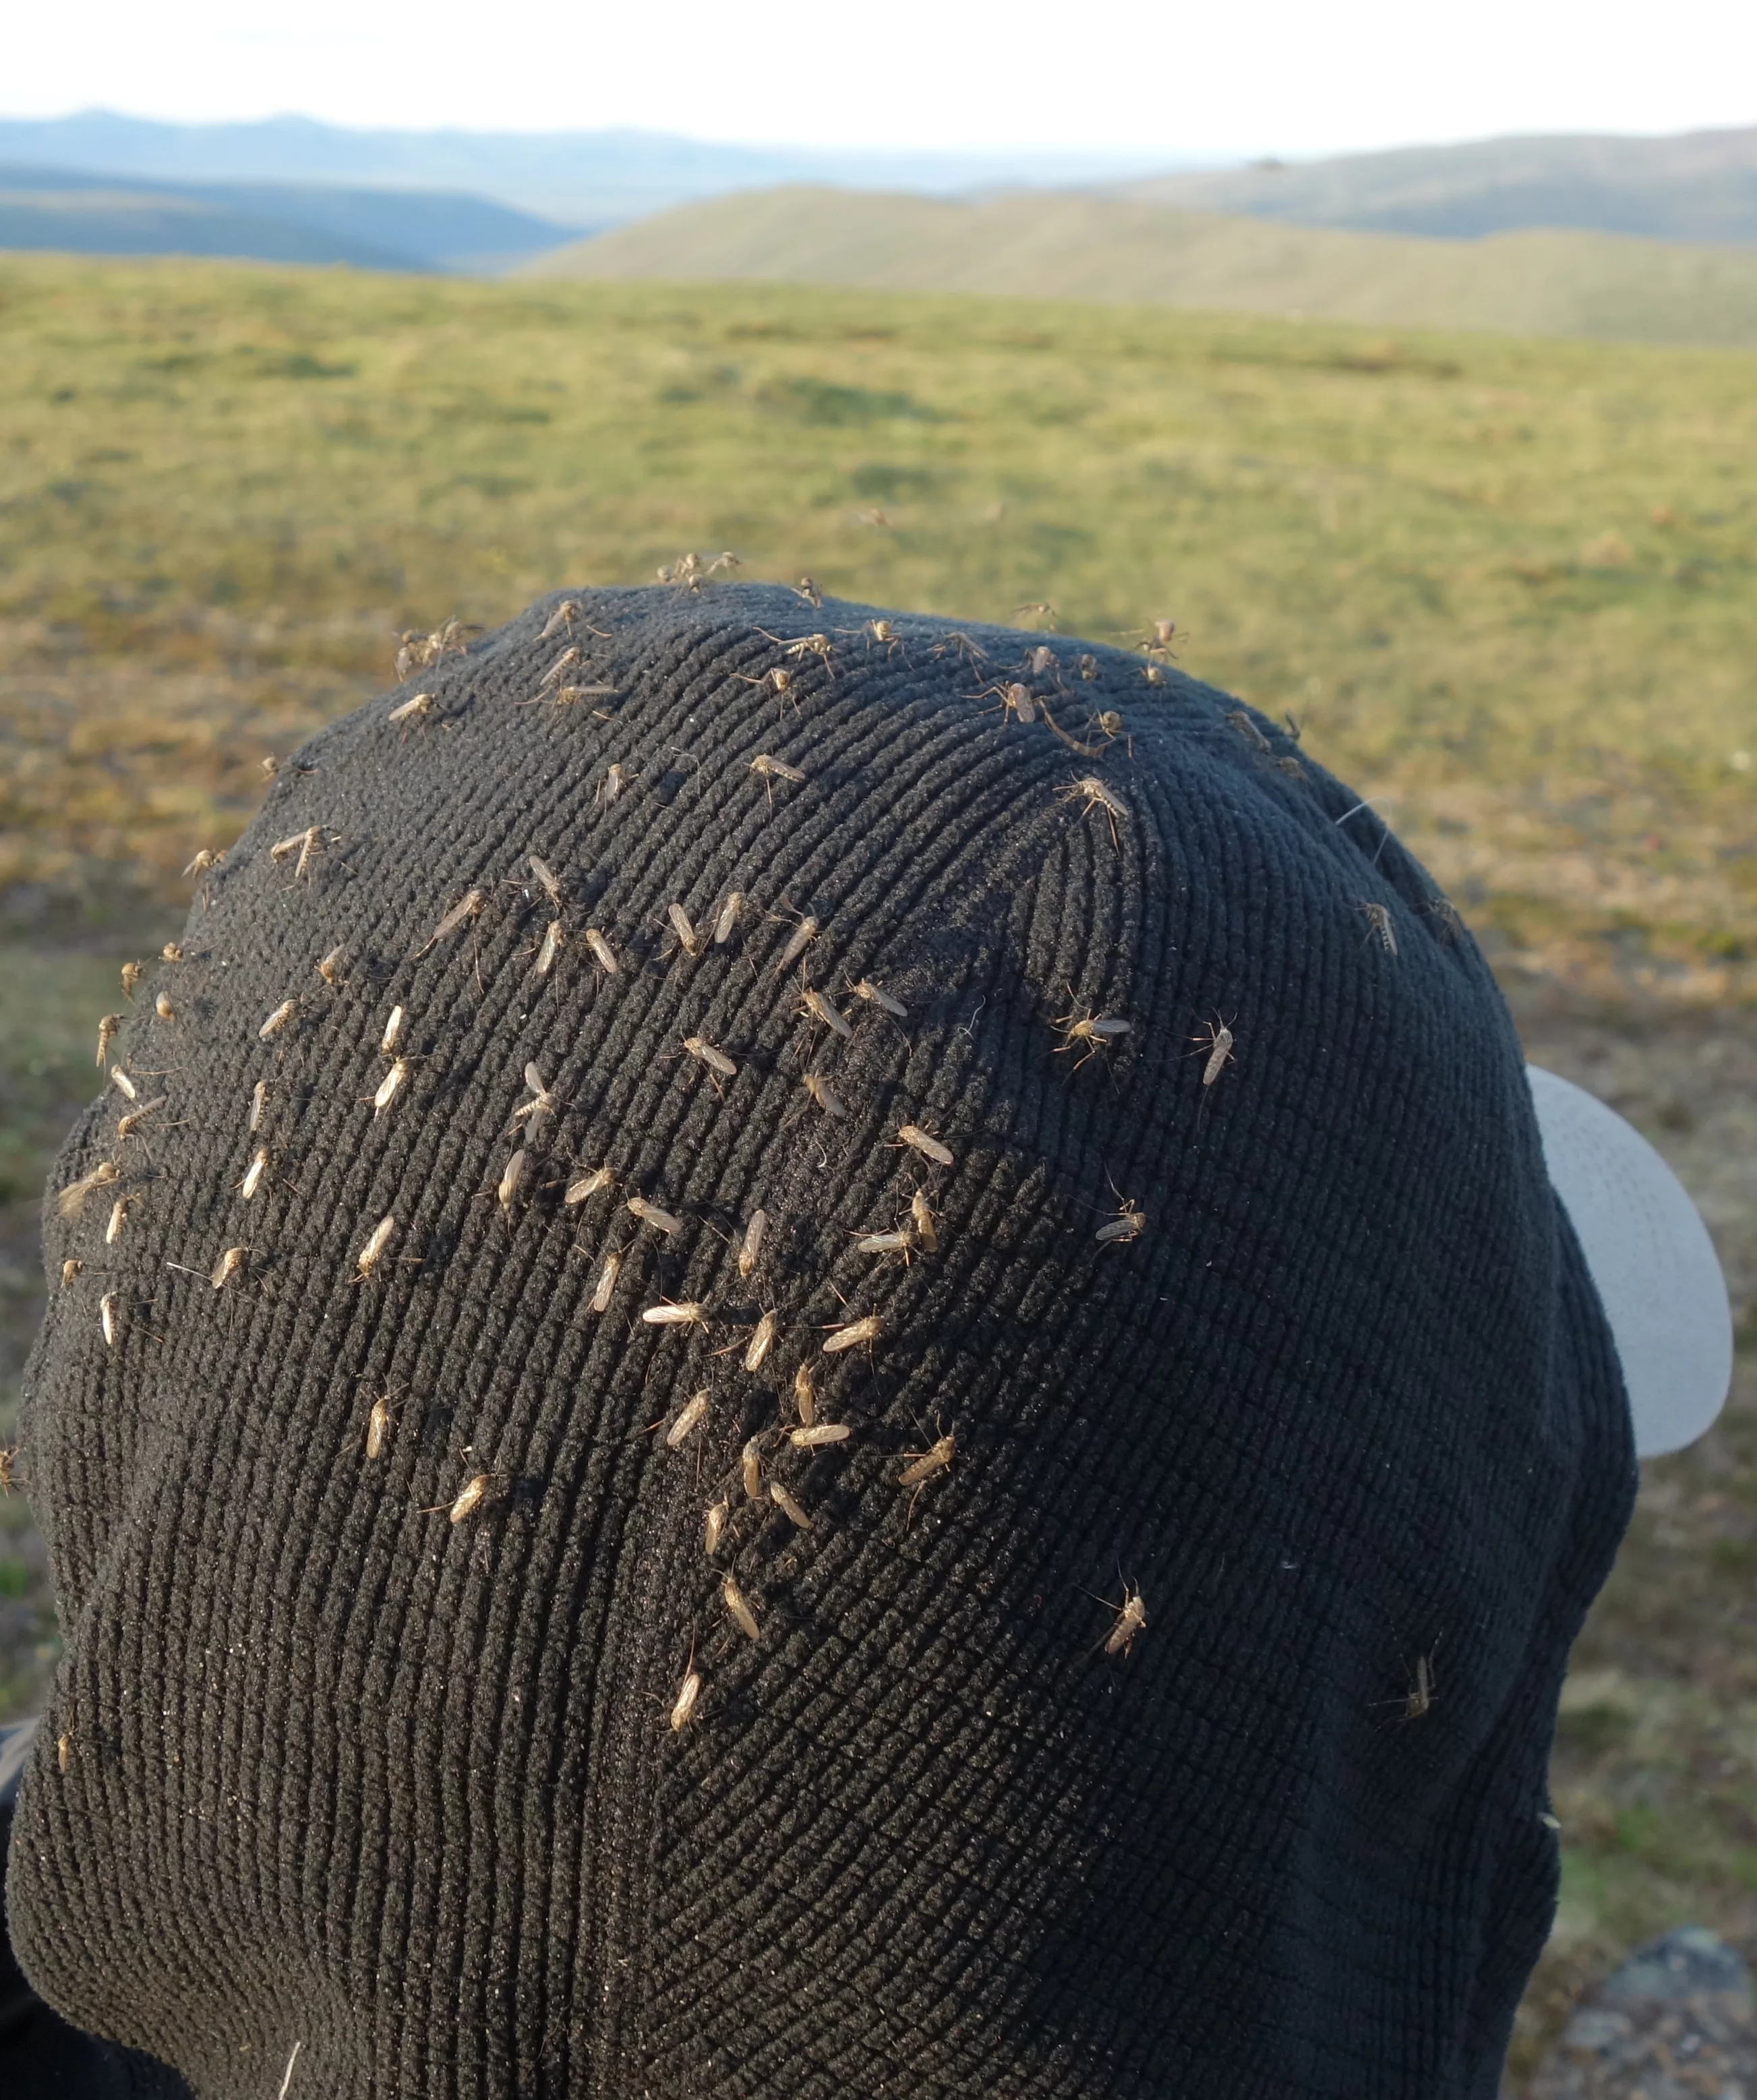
[(79, 212), (1084, 246), (1699, 185), (580, 177)]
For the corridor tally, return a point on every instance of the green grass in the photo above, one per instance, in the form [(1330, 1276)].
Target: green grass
[(1507, 586)]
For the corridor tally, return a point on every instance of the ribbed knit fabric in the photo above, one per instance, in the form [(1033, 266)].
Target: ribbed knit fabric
[(1294, 1347)]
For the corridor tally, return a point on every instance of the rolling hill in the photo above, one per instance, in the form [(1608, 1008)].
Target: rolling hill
[(581, 178), (1081, 246), (314, 222), (1697, 186)]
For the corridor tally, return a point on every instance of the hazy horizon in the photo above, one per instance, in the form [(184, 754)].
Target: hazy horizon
[(1137, 79), (1059, 158)]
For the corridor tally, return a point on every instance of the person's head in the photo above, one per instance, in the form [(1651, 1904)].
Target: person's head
[(860, 1381)]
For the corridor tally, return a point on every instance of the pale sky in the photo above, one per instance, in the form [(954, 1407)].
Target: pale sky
[(1172, 76)]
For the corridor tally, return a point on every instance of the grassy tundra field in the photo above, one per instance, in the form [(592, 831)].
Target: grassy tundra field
[(1508, 588)]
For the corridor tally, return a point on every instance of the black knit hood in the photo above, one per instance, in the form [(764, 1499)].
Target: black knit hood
[(480, 1677)]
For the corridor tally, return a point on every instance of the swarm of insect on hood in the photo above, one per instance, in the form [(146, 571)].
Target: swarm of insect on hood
[(778, 680), (546, 876), (1089, 1033), (305, 843), (919, 1140), (690, 572), (1131, 1617), (72, 1199), (788, 1506), (1448, 917), (127, 1125), (1015, 700), (924, 1465), (768, 770), (1417, 1701), (798, 941), (584, 1186), (1128, 1224), (738, 1609), (535, 1113), (1217, 1043), (668, 1314), (689, 1691), (726, 925), (706, 1053), (880, 634), (761, 1341), (511, 1183), (1091, 793), (693, 1413), (824, 1095), (379, 1425), (802, 645), (817, 1007), (876, 995), (1379, 921), (476, 1490), (688, 939), (377, 1240), (460, 914)]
